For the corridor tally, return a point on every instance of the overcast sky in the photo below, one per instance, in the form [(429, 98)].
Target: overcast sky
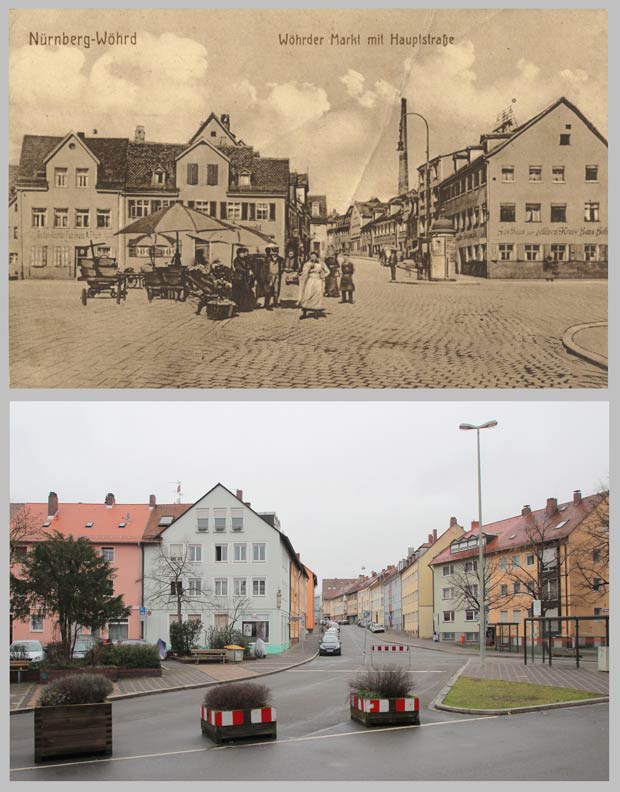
[(354, 484), (333, 110)]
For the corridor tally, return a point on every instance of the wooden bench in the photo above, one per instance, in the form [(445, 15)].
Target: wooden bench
[(19, 666), (209, 655)]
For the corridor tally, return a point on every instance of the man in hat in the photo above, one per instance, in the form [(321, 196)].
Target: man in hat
[(275, 263), (242, 281)]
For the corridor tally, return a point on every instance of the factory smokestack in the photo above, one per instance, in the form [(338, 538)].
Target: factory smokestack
[(403, 165)]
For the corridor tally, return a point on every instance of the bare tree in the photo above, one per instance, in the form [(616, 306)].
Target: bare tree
[(176, 577), (466, 589), (590, 558), (23, 529)]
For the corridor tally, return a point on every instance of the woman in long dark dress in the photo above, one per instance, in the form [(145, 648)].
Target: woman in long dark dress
[(332, 280), (242, 282), (347, 287)]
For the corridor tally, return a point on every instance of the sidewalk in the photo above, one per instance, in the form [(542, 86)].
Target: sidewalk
[(182, 676)]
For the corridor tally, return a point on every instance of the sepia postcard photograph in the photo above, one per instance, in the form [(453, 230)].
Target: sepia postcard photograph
[(308, 198)]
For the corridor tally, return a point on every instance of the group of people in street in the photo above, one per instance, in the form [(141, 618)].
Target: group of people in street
[(283, 283)]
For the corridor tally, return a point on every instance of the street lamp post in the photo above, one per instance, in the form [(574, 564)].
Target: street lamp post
[(481, 576), (427, 186)]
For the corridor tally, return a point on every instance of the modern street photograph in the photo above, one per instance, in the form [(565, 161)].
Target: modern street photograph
[(423, 600), (308, 198)]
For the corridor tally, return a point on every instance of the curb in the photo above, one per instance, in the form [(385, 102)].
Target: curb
[(568, 340), (139, 693)]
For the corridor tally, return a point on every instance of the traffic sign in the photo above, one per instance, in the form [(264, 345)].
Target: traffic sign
[(536, 607), (142, 611)]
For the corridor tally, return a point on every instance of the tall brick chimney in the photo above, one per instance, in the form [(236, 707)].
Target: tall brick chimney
[(434, 535), (577, 497), (225, 121), (139, 135), (453, 521), (152, 501), (403, 163), (552, 507), (110, 500), (52, 504), (475, 525), (239, 494), (526, 510), (430, 539)]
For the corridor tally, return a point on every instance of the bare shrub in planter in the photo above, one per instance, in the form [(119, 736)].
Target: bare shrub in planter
[(73, 718), (381, 696), (129, 656), (237, 710)]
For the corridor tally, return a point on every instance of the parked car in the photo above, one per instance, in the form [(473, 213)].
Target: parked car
[(84, 645), (132, 642), (26, 650), (343, 621), (330, 645), (376, 628)]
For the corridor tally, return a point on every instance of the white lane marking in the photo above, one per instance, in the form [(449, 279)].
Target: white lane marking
[(375, 730), (349, 670)]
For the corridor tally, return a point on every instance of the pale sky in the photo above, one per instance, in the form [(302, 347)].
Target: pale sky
[(354, 483), (332, 110)]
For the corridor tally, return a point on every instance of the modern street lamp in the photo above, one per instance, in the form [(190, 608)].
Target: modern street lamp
[(428, 185), (481, 576)]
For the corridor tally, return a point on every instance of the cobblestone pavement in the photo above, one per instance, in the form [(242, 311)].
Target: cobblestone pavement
[(566, 676), (471, 334)]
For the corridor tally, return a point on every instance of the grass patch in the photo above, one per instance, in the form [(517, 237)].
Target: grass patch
[(474, 693)]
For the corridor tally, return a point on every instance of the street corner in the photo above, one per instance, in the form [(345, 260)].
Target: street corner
[(588, 341)]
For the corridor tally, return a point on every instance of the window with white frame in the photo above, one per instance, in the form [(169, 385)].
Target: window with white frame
[(236, 519), (175, 552), (104, 218), (61, 218), (535, 173), (240, 587), (82, 218), (202, 519), (240, 552), (38, 256), (471, 590), (516, 561), (516, 615), (259, 551), (259, 587), (62, 256), (558, 174), (221, 552), (107, 553), (558, 252), (195, 587), (233, 210), (447, 616), (503, 590), (532, 252), (139, 207), (176, 587), (219, 519), (60, 177), (447, 593), (506, 252), (532, 213), (39, 217), (221, 587), (262, 211), (508, 173), (36, 622), (81, 177), (471, 566), (118, 630), (447, 570), (591, 211), (590, 252), (471, 615), (503, 616), (195, 552), (507, 213), (530, 559), (202, 206)]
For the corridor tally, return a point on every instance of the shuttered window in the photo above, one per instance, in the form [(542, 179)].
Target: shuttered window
[(212, 174), (192, 173), (272, 211)]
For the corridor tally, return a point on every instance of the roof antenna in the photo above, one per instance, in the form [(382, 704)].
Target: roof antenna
[(178, 490)]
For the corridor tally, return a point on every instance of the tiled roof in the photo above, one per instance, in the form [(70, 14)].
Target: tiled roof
[(267, 174), (153, 529), (515, 532), (144, 158), (322, 201), (71, 519)]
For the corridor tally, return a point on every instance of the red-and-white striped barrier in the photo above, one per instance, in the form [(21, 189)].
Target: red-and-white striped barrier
[(389, 648), (237, 717), (383, 705)]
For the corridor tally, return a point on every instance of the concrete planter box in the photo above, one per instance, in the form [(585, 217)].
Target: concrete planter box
[(52, 674), (130, 673), (385, 712), (224, 725), (72, 730)]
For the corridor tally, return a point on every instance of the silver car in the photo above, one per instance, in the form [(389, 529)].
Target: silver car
[(26, 650)]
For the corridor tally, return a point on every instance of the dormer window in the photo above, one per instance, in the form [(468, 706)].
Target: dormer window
[(245, 179), (159, 177)]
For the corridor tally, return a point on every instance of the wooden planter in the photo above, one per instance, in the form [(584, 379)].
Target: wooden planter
[(385, 712), (224, 725), (72, 730)]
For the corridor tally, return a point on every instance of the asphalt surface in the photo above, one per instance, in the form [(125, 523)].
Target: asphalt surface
[(475, 333), (158, 737)]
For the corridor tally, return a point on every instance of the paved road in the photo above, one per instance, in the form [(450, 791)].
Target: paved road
[(410, 334), (158, 737)]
